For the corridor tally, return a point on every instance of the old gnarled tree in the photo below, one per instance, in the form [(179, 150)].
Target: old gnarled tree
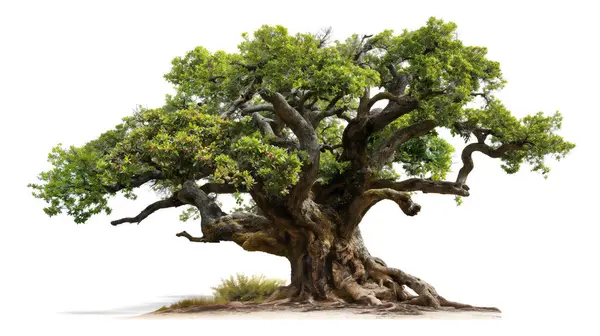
[(312, 133)]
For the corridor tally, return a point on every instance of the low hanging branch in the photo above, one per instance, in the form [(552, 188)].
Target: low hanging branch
[(425, 186), (171, 202)]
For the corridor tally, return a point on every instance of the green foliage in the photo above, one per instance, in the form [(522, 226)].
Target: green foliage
[(244, 288), (535, 132), (428, 156), (187, 139), (192, 302), (277, 167)]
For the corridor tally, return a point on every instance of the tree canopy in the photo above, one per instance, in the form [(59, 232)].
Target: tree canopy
[(221, 123)]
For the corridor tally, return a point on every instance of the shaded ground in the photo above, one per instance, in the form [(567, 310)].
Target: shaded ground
[(237, 310)]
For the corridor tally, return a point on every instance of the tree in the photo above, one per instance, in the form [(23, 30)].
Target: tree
[(291, 122)]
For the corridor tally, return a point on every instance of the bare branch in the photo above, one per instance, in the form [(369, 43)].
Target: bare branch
[(257, 108), (245, 96), (382, 96), (363, 105), (425, 186), (330, 113), (194, 239), (171, 202), (324, 36), (263, 125), (219, 188), (324, 147), (303, 100)]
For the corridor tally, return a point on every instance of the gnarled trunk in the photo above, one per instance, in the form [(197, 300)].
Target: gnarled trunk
[(339, 269), (328, 258)]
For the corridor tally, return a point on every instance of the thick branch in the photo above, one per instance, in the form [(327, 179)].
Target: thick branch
[(330, 113), (171, 202), (394, 110), (251, 232), (219, 188), (382, 96), (386, 150), (191, 194), (194, 239), (263, 125), (425, 186), (467, 158), (362, 204), (257, 108), (308, 142)]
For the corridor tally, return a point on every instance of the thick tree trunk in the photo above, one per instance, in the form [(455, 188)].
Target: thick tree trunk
[(344, 271)]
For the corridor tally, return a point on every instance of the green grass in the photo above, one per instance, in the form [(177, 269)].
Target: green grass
[(237, 288), (193, 301), (244, 288)]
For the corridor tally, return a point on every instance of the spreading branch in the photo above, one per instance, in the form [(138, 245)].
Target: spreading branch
[(468, 151), (425, 186), (219, 188), (394, 110), (194, 239), (383, 96), (257, 108), (171, 202), (263, 124), (339, 112)]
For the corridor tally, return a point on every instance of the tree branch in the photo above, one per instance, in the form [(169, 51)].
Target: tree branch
[(246, 96), (257, 108), (308, 142), (330, 113), (362, 204), (394, 110), (382, 96), (386, 150), (425, 186), (171, 202), (468, 151), (194, 239), (219, 188), (263, 125), (191, 194)]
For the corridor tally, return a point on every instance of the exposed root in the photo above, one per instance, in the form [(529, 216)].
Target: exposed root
[(367, 281), (343, 280)]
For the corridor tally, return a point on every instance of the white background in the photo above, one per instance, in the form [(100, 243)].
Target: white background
[(71, 70)]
